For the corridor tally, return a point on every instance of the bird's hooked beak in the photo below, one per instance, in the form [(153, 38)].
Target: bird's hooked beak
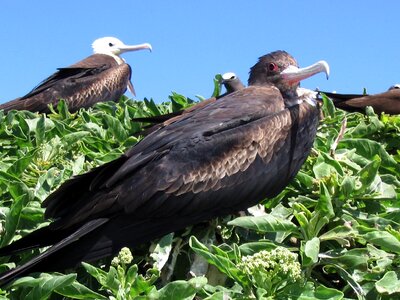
[(128, 48), (294, 75)]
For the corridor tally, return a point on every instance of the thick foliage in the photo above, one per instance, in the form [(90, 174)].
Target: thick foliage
[(333, 233)]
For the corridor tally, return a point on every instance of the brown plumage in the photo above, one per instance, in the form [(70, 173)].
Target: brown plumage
[(387, 102), (221, 158), (103, 76)]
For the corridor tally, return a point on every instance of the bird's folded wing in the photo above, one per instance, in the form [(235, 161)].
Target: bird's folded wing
[(200, 152)]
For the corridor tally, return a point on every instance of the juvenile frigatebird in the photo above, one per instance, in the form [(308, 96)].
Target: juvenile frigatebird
[(231, 82), (216, 160), (103, 76), (387, 102)]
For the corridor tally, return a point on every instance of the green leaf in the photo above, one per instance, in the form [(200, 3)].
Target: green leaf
[(368, 149), (78, 291), (341, 234), (97, 273), (42, 287), (73, 137), (309, 292), (62, 108), (347, 186), (40, 130), (223, 264), (161, 253), (383, 239), (180, 289), (328, 108), (324, 206), (266, 223), (152, 107), (254, 247), (217, 85), (116, 127), (369, 172), (21, 196), (388, 284), (310, 251)]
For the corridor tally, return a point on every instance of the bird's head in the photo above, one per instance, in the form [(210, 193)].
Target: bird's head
[(395, 87), (231, 82), (280, 69), (115, 47)]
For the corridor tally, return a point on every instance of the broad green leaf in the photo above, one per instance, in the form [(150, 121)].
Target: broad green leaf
[(112, 279), (223, 264), (162, 250), (368, 173), (266, 223), (304, 179), (78, 291), (152, 107), (73, 137), (348, 186), (19, 166), (388, 284), (62, 108), (353, 258), (180, 289), (97, 273), (115, 126), (42, 287), (368, 149), (383, 239), (309, 292), (21, 196), (254, 247), (328, 108), (40, 130), (324, 206), (341, 234), (178, 101), (309, 251)]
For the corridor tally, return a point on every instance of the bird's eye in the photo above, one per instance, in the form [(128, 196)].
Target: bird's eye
[(233, 77), (272, 67), (110, 44)]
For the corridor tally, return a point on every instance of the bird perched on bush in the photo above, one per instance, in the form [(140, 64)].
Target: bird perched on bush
[(217, 160)]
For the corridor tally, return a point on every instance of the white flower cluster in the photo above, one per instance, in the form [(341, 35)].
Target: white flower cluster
[(124, 257), (277, 262)]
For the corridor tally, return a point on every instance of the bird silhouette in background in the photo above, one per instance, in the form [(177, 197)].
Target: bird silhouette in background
[(386, 102)]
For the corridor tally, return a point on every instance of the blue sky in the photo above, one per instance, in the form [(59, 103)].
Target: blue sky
[(194, 40)]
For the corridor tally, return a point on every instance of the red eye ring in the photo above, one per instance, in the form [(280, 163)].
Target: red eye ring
[(272, 67)]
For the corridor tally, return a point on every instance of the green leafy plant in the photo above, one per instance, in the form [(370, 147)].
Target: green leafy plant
[(333, 233)]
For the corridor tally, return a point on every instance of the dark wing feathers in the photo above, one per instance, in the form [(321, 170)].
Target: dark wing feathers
[(70, 74), (174, 155)]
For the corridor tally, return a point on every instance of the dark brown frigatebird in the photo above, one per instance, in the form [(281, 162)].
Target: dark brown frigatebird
[(387, 102), (103, 76), (213, 161)]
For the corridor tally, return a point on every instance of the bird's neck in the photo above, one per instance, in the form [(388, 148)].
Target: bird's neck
[(292, 96), (117, 58)]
